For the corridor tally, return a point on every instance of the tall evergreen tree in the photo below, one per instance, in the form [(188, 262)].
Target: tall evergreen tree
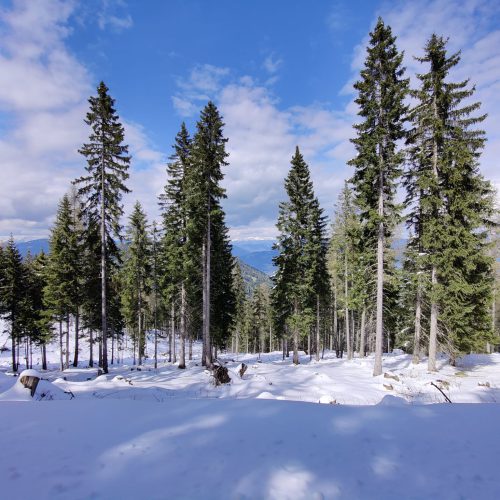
[(381, 95), (451, 207), (12, 293), (137, 275), (179, 281), (103, 186), (302, 255), (62, 290), (206, 225)]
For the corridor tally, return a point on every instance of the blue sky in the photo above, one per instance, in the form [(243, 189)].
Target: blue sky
[(280, 71)]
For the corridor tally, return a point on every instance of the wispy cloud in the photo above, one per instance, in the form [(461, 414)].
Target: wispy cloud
[(113, 14)]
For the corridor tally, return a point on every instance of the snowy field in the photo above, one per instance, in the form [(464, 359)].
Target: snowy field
[(169, 433)]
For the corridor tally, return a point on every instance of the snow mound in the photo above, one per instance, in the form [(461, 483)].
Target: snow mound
[(266, 395), (326, 400), (45, 390), (391, 400)]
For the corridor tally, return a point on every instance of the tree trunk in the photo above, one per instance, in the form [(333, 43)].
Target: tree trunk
[(103, 273), (434, 308), (77, 332), (362, 333), (433, 326), (182, 361), (139, 323), (207, 351), (296, 360), (61, 355), (317, 328), (44, 357), (172, 332), (91, 346), (190, 356), (346, 291), (13, 346), (66, 362), (379, 329), (418, 324)]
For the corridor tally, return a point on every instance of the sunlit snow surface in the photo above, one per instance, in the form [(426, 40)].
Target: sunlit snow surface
[(169, 433)]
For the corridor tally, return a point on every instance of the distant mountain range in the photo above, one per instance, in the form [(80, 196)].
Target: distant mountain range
[(255, 264), (256, 253), (34, 246)]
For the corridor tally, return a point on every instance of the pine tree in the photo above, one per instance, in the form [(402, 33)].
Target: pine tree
[(12, 293), (62, 290), (381, 94), (206, 227), (240, 308), (137, 275), (301, 258), (103, 186), (350, 279), (178, 282), (451, 206), (36, 328)]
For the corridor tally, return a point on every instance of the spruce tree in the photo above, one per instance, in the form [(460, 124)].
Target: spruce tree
[(302, 255), (12, 293), (62, 290), (179, 281), (206, 231), (451, 207), (102, 188), (137, 275), (381, 95)]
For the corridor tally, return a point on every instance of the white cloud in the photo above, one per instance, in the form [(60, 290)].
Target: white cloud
[(43, 101), (472, 28), (113, 14), (262, 139), (272, 64)]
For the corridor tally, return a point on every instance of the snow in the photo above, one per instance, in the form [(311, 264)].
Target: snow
[(242, 449), (170, 433)]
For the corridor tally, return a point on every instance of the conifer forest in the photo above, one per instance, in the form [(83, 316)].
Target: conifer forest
[(150, 341)]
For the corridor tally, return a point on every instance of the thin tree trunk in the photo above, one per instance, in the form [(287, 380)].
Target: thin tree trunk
[(317, 328), (433, 326), (206, 295), (434, 308), (379, 329), (295, 339), (190, 356), (66, 363), (13, 346), (346, 291), (418, 324), (44, 357), (270, 339), (77, 332), (362, 333), (182, 361), (309, 350), (172, 332), (91, 348), (61, 355), (174, 353), (104, 324)]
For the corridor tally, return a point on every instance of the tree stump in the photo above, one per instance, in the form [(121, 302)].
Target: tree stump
[(243, 369), (30, 382), (220, 374)]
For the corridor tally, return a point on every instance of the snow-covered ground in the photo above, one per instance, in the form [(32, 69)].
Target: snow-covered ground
[(170, 433)]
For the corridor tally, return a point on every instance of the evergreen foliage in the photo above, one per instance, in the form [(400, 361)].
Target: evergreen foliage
[(301, 263), (451, 205), (102, 188), (381, 100)]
